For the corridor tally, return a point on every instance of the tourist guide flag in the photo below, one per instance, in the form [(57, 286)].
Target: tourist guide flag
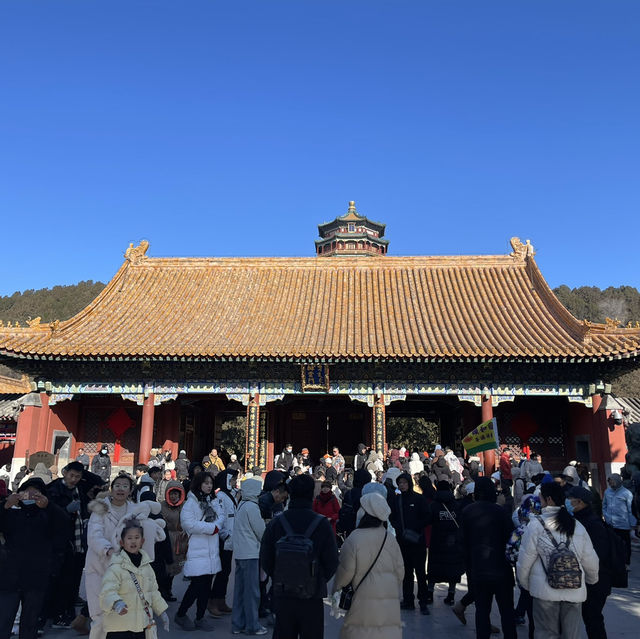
[(483, 437)]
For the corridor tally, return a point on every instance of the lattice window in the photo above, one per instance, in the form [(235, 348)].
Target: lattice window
[(92, 419), (512, 440), (536, 439)]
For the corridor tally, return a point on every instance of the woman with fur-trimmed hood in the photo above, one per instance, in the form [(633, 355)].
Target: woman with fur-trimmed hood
[(108, 512), (171, 506)]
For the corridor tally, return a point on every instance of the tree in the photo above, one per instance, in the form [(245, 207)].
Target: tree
[(233, 436), (414, 433)]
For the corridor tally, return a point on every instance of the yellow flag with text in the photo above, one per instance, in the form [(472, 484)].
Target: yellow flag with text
[(483, 437)]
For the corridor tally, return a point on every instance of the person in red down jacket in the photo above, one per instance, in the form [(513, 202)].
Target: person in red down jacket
[(327, 505), (506, 478)]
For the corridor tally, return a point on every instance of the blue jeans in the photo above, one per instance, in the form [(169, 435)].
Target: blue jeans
[(246, 596)]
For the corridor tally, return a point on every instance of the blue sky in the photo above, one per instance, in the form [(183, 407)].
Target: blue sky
[(219, 128)]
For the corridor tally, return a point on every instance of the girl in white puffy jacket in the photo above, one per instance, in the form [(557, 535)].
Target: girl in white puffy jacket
[(107, 512), (557, 612), (202, 520)]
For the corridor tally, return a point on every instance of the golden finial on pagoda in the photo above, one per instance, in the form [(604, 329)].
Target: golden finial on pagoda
[(352, 206)]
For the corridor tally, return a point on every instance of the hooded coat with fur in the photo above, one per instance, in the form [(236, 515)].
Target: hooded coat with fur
[(102, 536), (179, 539)]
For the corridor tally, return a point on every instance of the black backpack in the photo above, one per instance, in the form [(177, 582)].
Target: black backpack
[(296, 568)]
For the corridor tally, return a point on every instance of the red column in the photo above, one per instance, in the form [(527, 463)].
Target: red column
[(27, 424), (41, 439), (599, 441), (146, 430), (489, 455)]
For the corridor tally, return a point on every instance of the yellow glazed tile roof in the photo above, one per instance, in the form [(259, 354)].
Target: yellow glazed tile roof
[(353, 308), (12, 386)]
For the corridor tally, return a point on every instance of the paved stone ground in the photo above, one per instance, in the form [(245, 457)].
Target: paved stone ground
[(622, 615)]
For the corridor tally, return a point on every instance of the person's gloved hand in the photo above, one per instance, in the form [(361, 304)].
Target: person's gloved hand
[(120, 607), (164, 618), (73, 507)]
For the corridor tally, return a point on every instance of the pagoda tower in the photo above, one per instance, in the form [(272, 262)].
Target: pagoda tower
[(351, 234)]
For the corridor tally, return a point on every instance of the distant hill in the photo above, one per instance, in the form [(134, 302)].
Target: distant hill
[(585, 302), (589, 302), (59, 302)]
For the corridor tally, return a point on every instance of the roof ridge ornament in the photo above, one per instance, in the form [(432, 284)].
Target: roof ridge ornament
[(135, 254), (611, 324), (521, 250)]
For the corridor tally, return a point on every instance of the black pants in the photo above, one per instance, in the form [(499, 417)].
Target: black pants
[(415, 559), (484, 592), (63, 589), (198, 591), (592, 610), (625, 535), (298, 618), (32, 603), (219, 590), (164, 581)]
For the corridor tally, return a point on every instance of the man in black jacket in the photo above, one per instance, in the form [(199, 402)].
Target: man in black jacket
[(67, 494), (409, 518), (581, 504), (34, 532), (286, 459), (300, 618), (486, 528)]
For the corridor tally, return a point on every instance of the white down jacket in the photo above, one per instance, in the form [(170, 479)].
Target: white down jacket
[(536, 547), (203, 554)]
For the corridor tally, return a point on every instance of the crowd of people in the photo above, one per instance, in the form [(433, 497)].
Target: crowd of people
[(381, 532)]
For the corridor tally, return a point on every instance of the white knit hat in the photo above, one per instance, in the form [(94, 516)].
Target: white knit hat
[(375, 505)]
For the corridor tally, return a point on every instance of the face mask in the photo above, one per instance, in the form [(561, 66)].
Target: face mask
[(104, 451), (289, 450), (568, 506)]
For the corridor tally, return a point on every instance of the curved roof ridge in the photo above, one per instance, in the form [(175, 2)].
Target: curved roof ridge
[(393, 307)]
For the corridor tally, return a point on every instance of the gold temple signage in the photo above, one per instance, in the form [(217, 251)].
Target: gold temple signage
[(315, 378), (253, 417)]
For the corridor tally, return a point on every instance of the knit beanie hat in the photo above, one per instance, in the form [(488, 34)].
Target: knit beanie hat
[(375, 505)]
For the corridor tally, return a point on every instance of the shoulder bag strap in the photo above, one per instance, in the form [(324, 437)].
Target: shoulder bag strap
[(145, 603), (450, 515), (374, 562), (553, 539)]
